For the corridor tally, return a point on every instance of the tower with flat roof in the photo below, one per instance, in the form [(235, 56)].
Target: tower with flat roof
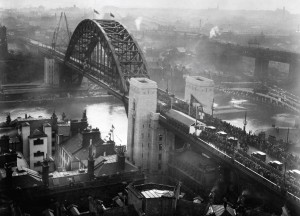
[(142, 102), (202, 90)]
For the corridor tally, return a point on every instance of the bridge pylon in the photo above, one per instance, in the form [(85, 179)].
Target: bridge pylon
[(261, 70), (148, 144)]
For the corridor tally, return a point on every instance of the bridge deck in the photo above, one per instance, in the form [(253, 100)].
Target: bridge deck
[(180, 129)]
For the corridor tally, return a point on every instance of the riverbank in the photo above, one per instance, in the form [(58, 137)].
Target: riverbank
[(260, 98)]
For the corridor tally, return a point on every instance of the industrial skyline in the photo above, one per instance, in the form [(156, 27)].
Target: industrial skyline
[(292, 6)]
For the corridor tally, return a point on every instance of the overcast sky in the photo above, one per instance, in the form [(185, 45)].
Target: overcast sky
[(290, 5)]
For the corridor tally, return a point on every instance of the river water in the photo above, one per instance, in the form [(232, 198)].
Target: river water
[(101, 114), (109, 111)]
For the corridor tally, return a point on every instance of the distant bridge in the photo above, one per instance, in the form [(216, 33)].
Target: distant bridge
[(262, 57), (106, 53)]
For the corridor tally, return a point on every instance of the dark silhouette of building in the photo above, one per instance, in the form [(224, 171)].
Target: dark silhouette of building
[(3, 42)]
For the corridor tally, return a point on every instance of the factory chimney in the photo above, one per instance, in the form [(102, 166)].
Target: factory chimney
[(121, 158)]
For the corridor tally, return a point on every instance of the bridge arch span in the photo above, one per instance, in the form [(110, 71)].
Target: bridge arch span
[(106, 52)]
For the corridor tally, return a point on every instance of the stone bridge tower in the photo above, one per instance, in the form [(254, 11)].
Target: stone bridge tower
[(148, 144)]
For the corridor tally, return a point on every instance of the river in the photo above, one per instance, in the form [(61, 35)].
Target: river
[(110, 111), (102, 114)]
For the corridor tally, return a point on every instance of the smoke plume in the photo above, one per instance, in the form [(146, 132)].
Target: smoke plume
[(214, 32), (138, 23)]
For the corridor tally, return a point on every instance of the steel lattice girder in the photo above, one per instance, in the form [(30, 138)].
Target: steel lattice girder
[(120, 56)]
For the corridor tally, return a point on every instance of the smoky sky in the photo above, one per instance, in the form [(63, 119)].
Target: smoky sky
[(291, 5)]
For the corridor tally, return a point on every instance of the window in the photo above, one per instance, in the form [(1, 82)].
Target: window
[(37, 164), (160, 147), (38, 154), (38, 142), (160, 137)]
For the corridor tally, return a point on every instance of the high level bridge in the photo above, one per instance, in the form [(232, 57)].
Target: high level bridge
[(104, 52)]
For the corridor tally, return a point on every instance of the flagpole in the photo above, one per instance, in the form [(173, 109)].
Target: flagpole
[(212, 108), (196, 115), (287, 141)]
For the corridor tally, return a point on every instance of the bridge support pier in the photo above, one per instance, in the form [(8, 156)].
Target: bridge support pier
[(69, 78), (294, 72), (51, 72), (261, 70), (148, 144)]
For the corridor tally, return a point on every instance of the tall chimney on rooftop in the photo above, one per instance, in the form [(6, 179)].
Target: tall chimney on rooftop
[(121, 158), (9, 172), (91, 161), (45, 172)]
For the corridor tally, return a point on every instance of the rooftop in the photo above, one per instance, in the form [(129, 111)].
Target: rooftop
[(220, 210), (37, 133), (22, 178), (111, 167), (199, 80), (152, 190), (73, 144), (143, 83), (58, 179)]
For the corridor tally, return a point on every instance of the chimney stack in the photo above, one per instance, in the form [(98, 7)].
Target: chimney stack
[(91, 161), (121, 158), (9, 173), (87, 135), (4, 144), (45, 172)]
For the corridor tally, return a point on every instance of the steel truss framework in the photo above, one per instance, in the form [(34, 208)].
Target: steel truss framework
[(105, 50)]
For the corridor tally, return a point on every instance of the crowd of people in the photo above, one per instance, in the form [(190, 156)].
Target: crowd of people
[(274, 149)]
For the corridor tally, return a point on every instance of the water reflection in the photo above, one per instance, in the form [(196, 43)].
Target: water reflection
[(100, 114), (259, 116)]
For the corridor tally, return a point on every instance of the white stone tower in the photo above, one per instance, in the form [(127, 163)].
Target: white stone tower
[(142, 102), (202, 89)]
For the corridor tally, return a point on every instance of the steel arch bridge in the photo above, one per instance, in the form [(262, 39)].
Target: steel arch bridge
[(107, 53)]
